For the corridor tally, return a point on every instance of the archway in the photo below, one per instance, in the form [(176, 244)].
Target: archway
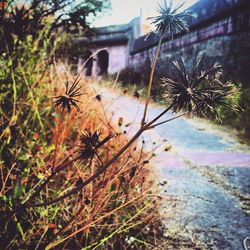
[(103, 62), (88, 62)]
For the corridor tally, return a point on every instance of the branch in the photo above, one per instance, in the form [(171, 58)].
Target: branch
[(169, 120)]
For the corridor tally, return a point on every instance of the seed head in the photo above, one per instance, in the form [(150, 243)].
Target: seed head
[(68, 99), (98, 97), (170, 20), (90, 142), (202, 93)]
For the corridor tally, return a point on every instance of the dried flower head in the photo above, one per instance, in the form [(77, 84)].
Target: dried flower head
[(170, 20), (202, 92), (90, 142), (98, 97), (68, 100)]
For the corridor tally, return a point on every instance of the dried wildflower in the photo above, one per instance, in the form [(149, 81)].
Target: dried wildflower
[(120, 121), (132, 171), (98, 97), (199, 92), (90, 142), (170, 20), (136, 94), (68, 100)]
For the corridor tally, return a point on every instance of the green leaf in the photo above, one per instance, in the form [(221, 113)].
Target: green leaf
[(24, 157), (50, 149), (20, 230), (40, 176), (17, 190)]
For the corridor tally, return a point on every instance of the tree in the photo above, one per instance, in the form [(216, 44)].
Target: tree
[(30, 17)]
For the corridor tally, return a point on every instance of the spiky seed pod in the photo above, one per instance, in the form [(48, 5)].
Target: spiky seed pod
[(200, 92), (79, 181), (98, 97), (90, 142), (171, 20), (69, 99), (120, 121)]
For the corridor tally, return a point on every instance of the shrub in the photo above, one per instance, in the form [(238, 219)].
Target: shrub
[(240, 121)]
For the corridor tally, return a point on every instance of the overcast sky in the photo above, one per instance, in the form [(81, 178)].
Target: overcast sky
[(124, 11)]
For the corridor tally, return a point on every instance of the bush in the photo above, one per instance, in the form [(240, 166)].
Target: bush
[(241, 120), (117, 210), (137, 80)]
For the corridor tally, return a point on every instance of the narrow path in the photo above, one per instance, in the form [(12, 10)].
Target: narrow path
[(206, 168)]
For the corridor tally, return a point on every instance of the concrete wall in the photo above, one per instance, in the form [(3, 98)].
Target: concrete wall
[(224, 37)]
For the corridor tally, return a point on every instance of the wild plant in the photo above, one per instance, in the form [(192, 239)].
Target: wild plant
[(99, 186)]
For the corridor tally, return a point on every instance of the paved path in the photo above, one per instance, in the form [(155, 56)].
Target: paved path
[(207, 169)]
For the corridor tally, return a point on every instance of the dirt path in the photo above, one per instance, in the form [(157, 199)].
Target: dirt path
[(207, 169)]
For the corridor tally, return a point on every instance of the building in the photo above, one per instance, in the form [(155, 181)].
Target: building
[(110, 48), (219, 31)]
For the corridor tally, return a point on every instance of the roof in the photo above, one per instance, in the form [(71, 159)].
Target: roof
[(113, 33)]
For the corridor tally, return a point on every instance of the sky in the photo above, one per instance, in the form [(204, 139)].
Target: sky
[(124, 11)]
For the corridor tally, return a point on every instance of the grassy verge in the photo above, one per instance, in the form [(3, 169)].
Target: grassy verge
[(118, 210)]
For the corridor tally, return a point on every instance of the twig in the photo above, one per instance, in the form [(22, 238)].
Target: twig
[(169, 120)]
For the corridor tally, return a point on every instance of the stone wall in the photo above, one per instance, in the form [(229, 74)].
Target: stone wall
[(220, 32)]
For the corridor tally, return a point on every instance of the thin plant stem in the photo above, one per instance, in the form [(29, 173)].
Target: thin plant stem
[(86, 226), (20, 207), (151, 80), (169, 120), (159, 116), (14, 86)]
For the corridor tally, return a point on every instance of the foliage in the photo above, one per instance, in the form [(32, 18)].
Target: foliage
[(25, 126), (135, 81), (242, 121), (116, 211), (38, 142), (21, 19)]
